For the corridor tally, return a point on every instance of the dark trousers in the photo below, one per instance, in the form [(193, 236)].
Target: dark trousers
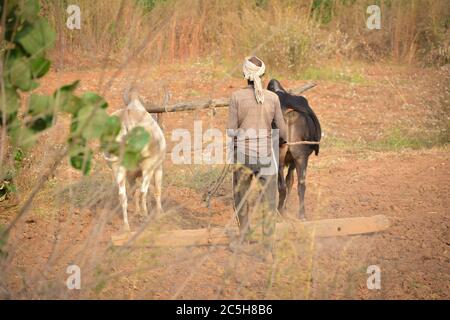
[(266, 198)]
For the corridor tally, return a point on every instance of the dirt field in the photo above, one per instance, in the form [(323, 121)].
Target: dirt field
[(384, 151)]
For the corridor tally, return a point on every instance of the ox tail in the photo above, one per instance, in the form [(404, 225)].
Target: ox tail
[(315, 131)]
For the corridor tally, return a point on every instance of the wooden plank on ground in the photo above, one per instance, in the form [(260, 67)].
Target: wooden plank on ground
[(291, 230)]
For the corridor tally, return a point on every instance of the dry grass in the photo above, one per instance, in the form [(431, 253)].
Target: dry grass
[(289, 35)]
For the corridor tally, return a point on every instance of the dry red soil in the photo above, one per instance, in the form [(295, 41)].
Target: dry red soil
[(411, 187)]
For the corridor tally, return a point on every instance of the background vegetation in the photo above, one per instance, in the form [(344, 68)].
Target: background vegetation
[(289, 35)]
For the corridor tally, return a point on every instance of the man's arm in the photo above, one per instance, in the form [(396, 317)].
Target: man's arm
[(232, 117), (279, 121)]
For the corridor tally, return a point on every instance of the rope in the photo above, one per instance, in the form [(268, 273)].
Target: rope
[(303, 142)]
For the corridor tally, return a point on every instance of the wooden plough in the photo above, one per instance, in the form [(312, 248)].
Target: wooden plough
[(284, 230)]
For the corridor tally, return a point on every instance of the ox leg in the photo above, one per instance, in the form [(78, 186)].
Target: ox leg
[(301, 165), (281, 180), (289, 181), (144, 191), (120, 176), (137, 203), (281, 189), (158, 189)]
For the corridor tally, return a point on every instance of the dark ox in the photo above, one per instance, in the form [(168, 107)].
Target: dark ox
[(302, 127)]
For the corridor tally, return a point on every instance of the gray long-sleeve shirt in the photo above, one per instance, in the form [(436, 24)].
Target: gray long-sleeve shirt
[(251, 122)]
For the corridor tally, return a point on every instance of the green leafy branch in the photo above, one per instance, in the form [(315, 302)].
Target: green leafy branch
[(27, 37)]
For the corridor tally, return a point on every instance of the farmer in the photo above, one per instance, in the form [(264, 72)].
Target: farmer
[(251, 114)]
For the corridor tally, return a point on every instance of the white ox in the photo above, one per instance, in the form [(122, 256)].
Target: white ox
[(134, 115)]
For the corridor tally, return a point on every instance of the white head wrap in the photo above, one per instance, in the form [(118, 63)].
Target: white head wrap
[(253, 73)]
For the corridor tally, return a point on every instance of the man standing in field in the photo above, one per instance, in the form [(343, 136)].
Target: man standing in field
[(251, 114)]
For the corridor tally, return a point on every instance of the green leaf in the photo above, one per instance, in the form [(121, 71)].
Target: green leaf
[(34, 85), (91, 122), (80, 158), (70, 87), (29, 10), (39, 67), (40, 107), (94, 99), (110, 132), (39, 104), (65, 100), (13, 55), (131, 160), (41, 123), (112, 128), (73, 105), (20, 74), (21, 137), (73, 125), (11, 100), (36, 37), (137, 139)]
